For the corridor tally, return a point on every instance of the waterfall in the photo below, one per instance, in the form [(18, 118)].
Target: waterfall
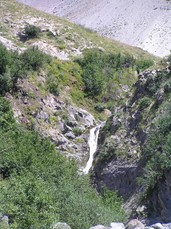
[(92, 142)]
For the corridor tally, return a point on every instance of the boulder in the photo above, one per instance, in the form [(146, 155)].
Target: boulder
[(157, 226), (117, 226), (60, 225), (167, 226), (99, 227), (82, 116), (107, 113), (4, 221), (70, 135), (134, 224), (44, 116)]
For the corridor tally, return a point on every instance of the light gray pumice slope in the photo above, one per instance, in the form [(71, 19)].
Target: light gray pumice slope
[(145, 24)]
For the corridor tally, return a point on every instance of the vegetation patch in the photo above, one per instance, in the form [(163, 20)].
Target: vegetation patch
[(47, 186)]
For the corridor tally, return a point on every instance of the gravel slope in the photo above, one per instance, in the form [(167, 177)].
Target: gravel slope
[(146, 24)]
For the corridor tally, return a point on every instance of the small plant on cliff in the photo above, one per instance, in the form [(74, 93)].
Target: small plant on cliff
[(52, 84), (31, 31), (144, 103), (77, 131)]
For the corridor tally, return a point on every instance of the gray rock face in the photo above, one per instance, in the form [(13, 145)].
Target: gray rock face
[(118, 175), (43, 115), (80, 115), (67, 126), (161, 199)]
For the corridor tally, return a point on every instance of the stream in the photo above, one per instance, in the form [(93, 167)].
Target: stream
[(92, 142)]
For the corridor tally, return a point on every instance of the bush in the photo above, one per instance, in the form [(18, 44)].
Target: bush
[(14, 66), (77, 131), (142, 64), (102, 72), (6, 114), (33, 58), (5, 83), (93, 80), (144, 103), (5, 59), (52, 85), (108, 151), (100, 107), (31, 31)]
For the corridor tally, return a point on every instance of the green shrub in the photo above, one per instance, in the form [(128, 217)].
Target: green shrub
[(5, 59), (31, 31), (144, 103), (142, 64), (102, 72), (6, 114), (52, 85), (100, 107), (5, 83), (77, 131), (33, 58), (108, 151), (14, 66)]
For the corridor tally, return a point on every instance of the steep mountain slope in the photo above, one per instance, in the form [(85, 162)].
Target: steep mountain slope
[(56, 97), (62, 117), (145, 24), (58, 37)]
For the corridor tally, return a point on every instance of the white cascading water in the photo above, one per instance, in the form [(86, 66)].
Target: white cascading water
[(92, 142)]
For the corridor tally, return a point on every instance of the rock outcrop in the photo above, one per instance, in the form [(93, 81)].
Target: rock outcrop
[(64, 123), (119, 161)]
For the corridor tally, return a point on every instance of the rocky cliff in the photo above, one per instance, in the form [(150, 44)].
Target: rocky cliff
[(122, 155)]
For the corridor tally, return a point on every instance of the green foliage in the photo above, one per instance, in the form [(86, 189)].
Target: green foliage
[(62, 74), (33, 58), (157, 152), (52, 85), (102, 72), (41, 186), (32, 205), (142, 64), (144, 103), (4, 59), (108, 151), (100, 107), (77, 131), (14, 66), (5, 83), (31, 31), (6, 114)]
